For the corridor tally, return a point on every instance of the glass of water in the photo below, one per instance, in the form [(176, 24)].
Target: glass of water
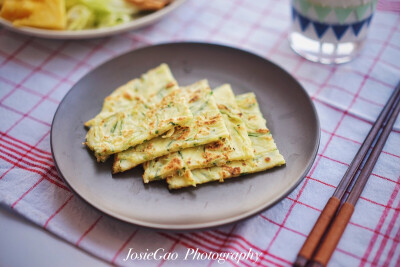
[(330, 31)]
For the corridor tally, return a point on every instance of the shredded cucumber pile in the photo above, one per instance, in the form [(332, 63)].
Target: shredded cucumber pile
[(89, 14)]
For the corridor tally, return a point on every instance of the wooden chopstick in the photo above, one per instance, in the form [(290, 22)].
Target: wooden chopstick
[(310, 245), (342, 219)]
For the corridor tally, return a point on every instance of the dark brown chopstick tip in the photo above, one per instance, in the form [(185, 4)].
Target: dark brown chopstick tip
[(300, 261)]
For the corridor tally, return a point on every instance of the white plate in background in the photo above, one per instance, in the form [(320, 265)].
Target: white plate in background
[(94, 33)]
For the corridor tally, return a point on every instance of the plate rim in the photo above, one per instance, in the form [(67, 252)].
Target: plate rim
[(198, 226), (93, 33)]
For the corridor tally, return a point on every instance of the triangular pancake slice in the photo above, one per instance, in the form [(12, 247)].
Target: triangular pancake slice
[(207, 126), (139, 110), (133, 126), (237, 146), (266, 154)]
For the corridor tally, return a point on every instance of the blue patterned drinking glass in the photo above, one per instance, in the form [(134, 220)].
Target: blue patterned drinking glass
[(330, 31)]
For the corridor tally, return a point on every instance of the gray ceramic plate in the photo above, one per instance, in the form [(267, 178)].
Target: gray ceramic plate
[(290, 116)]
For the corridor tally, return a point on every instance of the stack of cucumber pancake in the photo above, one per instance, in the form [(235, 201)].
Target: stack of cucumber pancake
[(184, 135)]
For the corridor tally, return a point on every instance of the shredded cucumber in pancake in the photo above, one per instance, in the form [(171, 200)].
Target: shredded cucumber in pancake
[(137, 111), (237, 146), (266, 154), (207, 126)]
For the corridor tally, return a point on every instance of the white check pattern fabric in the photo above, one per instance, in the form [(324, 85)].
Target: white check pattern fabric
[(35, 74)]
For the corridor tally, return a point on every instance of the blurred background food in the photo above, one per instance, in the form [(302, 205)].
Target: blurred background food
[(76, 14)]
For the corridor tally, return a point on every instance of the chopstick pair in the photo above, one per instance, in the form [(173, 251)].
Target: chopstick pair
[(321, 242)]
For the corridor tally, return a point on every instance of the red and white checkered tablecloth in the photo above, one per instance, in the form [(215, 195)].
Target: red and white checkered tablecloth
[(35, 74)]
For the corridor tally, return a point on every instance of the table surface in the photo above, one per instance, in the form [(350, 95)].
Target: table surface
[(19, 245), (35, 74)]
